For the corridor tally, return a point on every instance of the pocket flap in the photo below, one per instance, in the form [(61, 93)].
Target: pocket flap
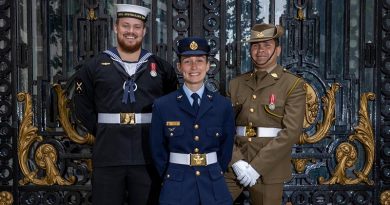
[(174, 175), (215, 173), (174, 131), (214, 131)]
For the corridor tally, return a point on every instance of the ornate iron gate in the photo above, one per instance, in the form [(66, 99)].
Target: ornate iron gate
[(341, 48)]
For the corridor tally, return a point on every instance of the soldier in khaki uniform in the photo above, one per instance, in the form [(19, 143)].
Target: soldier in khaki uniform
[(270, 105)]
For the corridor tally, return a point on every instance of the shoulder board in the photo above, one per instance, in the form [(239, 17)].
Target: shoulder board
[(245, 74), (289, 72)]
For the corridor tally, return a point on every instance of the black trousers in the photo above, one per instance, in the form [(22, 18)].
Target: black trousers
[(135, 184)]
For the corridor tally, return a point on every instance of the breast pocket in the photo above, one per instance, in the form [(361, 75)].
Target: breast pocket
[(171, 191), (239, 100), (273, 111), (214, 134)]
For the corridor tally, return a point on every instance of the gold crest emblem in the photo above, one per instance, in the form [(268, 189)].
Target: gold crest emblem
[(193, 45), (260, 35), (274, 75)]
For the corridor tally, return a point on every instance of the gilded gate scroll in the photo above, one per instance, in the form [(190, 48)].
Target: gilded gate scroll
[(45, 154), (346, 153)]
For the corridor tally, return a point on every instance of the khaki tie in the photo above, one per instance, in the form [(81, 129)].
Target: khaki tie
[(260, 75)]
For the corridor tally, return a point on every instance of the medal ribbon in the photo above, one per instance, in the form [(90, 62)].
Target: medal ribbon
[(153, 68), (272, 99)]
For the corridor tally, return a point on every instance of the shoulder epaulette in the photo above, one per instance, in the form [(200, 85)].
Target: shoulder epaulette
[(289, 72)]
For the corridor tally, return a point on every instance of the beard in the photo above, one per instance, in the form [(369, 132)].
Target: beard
[(129, 48)]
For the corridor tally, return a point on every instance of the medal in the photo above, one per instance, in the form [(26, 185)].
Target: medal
[(153, 68), (271, 104)]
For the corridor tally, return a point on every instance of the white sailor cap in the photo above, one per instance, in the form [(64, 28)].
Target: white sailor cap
[(132, 11)]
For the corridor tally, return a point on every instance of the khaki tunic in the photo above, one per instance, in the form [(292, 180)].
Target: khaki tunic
[(270, 156)]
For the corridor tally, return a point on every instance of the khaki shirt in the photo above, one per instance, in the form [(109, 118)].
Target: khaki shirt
[(271, 157)]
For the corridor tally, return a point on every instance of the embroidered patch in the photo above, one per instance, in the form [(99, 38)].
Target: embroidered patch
[(79, 86)]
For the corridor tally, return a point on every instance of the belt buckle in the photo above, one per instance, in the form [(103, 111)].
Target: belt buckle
[(250, 131), (127, 118), (198, 160)]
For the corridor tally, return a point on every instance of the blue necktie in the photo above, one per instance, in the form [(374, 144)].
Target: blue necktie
[(195, 104)]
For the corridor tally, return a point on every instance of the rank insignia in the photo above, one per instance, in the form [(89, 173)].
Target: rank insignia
[(153, 69), (272, 100), (105, 63), (179, 97), (79, 86)]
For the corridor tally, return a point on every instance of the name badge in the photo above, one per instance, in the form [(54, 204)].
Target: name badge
[(173, 123)]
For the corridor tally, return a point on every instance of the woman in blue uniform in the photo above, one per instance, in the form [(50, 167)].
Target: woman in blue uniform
[(192, 134)]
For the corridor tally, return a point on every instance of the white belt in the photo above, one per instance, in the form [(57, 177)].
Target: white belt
[(124, 118), (193, 159), (257, 131)]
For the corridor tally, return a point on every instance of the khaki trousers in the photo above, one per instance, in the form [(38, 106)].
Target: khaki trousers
[(260, 193)]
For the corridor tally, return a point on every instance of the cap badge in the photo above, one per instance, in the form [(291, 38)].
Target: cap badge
[(193, 45), (272, 100), (274, 75), (260, 35)]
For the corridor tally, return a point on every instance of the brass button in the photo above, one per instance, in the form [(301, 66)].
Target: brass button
[(196, 138), (196, 150), (249, 139), (251, 110), (250, 124), (254, 97), (217, 134), (196, 126), (168, 175), (237, 103), (171, 134), (197, 173)]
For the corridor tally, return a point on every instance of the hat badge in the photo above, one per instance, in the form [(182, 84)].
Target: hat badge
[(193, 45), (260, 35)]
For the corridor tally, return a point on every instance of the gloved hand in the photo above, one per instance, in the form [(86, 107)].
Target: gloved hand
[(240, 169), (253, 174)]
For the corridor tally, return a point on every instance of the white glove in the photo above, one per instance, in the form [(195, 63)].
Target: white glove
[(240, 169), (253, 174)]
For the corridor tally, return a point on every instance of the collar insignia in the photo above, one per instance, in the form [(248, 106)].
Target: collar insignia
[(105, 63), (274, 75)]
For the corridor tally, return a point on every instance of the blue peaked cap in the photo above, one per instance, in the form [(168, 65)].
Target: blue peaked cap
[(193, 46)]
